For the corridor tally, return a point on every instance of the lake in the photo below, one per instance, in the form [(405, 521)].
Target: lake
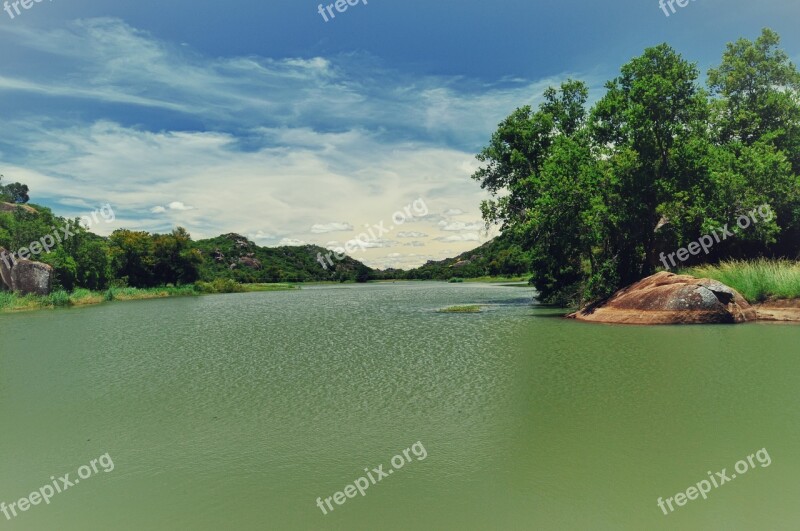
[(239, 411)]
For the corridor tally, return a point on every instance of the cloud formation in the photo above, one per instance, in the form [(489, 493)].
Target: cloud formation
[(255, 145)]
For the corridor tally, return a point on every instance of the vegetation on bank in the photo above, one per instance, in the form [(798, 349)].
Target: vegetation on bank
[(757, 280), (11, 302), (595, 195)]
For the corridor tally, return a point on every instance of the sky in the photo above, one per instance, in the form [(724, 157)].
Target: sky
[(264, 119)]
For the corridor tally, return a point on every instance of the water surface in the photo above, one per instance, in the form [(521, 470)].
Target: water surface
[(239, 411)]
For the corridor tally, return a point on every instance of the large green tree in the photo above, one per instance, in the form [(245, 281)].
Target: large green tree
[(596, 196), (652, 126)]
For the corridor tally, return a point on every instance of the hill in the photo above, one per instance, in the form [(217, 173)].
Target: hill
[(500, 256), (234, 256)]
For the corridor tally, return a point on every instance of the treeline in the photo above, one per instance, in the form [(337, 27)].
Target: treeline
[(139, 259), (82, 259), (595, 195)]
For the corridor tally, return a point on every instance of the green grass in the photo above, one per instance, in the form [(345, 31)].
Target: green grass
[(13, 302), (270, 287), (520, 278), (757, 280), (461, 309)]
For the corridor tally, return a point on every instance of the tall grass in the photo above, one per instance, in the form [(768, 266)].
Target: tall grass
[(10, 301), (757, 280)]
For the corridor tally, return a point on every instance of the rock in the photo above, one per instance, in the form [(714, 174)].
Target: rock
[(248, 261), (32, 278), (667, 298), (785, 310), (5, 270), (11, 207)]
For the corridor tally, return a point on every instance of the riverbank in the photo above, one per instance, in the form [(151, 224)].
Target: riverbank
[(771, 286), (728, 292), (13, 302)]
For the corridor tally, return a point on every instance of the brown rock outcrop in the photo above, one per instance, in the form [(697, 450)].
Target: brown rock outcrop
[(785, 310), (666, 298), (11, 207)]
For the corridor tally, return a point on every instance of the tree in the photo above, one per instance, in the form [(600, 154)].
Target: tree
[(757, 125), (132, 257), (759, 95), (14, 193), (651, 117), (595, 197), (542, 172)]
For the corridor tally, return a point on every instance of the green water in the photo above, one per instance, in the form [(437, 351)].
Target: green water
[(237, 412)]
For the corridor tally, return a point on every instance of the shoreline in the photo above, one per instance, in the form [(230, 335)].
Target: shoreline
[(11, 303)]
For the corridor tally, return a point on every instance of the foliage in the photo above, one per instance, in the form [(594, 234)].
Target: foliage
[(13, 192), (595, 195)]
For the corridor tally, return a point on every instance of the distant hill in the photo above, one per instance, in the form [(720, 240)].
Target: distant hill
[(234, 256), (500, 256)]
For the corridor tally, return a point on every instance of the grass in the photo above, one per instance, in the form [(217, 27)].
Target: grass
[(519, 278), (13, 302), (461, 309), (757, 280), (270, 287)]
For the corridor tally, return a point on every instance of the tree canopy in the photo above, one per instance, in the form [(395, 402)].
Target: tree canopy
[(597, 194)]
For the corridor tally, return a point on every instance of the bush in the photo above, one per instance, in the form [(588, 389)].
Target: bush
[(219, 285)]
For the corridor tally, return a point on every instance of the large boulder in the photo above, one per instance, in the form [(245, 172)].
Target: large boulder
[(29, 277), (5, 270), (667, 298)]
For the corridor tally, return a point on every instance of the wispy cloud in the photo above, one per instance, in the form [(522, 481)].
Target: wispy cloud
[(255, 145)]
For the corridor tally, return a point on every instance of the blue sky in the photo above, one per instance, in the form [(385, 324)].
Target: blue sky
[(263, 119)]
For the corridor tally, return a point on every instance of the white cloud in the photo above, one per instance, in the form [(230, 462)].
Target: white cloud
[(331, 227), (370, 244), (466, 237), (457, 226), (178, 205), (260, 235), (289, 242), (411, 234)]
